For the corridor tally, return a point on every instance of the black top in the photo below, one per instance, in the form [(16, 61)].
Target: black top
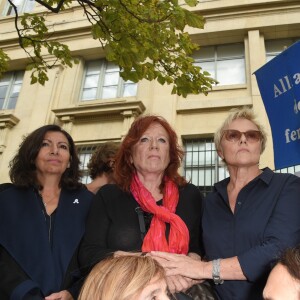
[(113, 223)]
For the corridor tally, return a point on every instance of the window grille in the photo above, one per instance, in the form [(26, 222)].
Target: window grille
[(102, 81), (225, 63), (10, 85), (202, 165), (292, 170), (85, 153)]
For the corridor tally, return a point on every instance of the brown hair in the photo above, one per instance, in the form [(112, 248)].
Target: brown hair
[(100, 161), (22, 167), (124, 169), (291, 260), (120, 278)]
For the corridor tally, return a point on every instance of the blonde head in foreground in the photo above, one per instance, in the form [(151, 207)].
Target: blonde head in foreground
[(125, 278)]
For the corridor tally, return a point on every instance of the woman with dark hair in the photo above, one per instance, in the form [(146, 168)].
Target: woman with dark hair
[(284, 280), (101, 166), (42, 218), (151, 206)]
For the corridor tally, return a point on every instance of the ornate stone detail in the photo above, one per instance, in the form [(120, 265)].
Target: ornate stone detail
[(7, 121), (121, 110)]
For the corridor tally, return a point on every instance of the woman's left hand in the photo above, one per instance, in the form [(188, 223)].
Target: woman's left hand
[(62, 295), (177, 283), (179, 264)]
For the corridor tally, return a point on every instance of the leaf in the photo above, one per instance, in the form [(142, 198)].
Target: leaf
[(33, 79), (4, 59), (194, 20), (191, 3), (146, 39), (161, 79)]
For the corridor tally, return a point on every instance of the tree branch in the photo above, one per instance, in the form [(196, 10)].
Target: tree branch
[(53, 9)]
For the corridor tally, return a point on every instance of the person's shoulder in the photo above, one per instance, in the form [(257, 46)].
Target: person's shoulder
[(281, 176), (5, 186), (110, 190), (218, 189), (10, 188), (276, 180), (81, 191), (297, 174), (288, 178), (111, 195), (11, 194), (5, 191), (190, 187), (190, 190)]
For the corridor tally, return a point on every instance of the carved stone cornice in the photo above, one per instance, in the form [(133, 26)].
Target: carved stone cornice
[(7, 121), (99, 111)]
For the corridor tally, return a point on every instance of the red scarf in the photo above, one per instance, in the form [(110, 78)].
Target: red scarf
[(155, 239)]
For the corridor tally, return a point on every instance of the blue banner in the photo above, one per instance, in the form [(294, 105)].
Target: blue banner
[(279, 85)]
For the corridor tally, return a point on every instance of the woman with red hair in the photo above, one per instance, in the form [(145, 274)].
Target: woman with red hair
[(151, 207)]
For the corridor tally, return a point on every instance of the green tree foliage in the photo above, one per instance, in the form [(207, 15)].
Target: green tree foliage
[(3, 62), (146, 38)]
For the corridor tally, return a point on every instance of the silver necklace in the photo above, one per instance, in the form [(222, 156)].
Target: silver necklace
[(44, 202)]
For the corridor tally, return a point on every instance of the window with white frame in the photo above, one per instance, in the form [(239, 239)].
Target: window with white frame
[(85, 153), (10, 85), (102, 81), (275, 47), (21, 5), (202, 165), (225, 63)]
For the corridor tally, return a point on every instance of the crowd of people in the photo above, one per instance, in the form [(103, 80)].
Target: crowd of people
[(139, 230)]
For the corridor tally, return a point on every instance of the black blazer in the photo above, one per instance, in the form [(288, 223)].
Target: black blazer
[(27, 259)]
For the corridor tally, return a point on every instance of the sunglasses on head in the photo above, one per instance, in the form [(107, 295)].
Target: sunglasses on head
[(233, 135)]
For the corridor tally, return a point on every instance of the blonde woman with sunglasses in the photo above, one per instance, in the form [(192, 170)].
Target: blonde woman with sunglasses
[(248, 219)]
